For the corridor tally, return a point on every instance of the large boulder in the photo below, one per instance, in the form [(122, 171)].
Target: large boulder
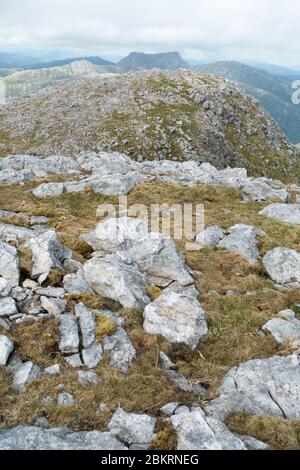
[(195, 431), (242, 241), (34, 438), (47, 253), (283, 265), (115, 278), (260, 387), (132, 428), (288, 213), (9, 263), (177, 317)]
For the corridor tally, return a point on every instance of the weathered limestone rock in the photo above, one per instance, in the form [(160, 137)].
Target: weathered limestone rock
[(49, 190), (120, 349), (9, 264), (260, 387), (24, 374), (5, 287), (285, 329), (211, 236), (6, 348), (242, 241), (113, 278), (177, 317), (88, 378), (7, 307), (53, 306), (283, 265), (69, 342), (288, 213), (132, 428), (87, 324), (92, 356)]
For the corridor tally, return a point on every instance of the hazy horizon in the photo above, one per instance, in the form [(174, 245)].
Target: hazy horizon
[(207, 30)]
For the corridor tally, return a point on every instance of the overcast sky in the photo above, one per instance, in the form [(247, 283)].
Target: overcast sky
[(253, 30)]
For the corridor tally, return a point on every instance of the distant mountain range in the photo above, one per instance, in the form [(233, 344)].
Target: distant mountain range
[(270, 84)]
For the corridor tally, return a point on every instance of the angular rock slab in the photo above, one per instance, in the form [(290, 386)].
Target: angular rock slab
[(197, 432), (6, 348), (87, 324), (132, 428), (115, 279), (47, 254), (211, 236), (242, 241), (260, 387), (285, 329), (282, 265), (9, 264), (120, 349), (34, 438), (177, 317), (68, 328), (24, 374), (287, 213)]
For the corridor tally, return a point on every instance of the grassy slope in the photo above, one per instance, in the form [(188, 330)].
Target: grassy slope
[(233, 321)]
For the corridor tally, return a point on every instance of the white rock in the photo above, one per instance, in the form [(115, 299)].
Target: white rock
[(87, 324), (74, 361), (132, 428), (9, 264), (211, 236), (7, 307), (69, 342), (242, 241), (53, 370), (283, 265), (120, 349), (5, 287), (88, 378), (49, 190), (177, 317), (24, 374), (92, 356), (65, 399), (6, 348), (288, 213), (284, 330), (53, 306)]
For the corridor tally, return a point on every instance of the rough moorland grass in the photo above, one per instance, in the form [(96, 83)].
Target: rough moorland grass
[(278, 433), (234, 322)]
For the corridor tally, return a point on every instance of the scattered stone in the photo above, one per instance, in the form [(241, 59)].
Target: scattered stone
[(53, 370), (65, 399), (92, 355), (55, 292), (5, 287), (196, 432), (262, 189), (30, 284), (47, 254), (14, 233), (283, 265), (19, 294), (75, 283), (165, 361), (24, 374), (242, 241), (74, 361), (88, 378), (177, 317), (169, 409), (116, 279), (285, 329), (260, 387), (6, 348), (132, 428), (53, 306), (120, 349), (287, 213), (183, 384), (210, 236), (49, 190), (69, 342), (87, 324), (9, 264), (7, 307), (34, 438)]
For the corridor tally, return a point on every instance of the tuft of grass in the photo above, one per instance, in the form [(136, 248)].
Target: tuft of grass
[(55, 278), (25, 259), (153, 292), (105, 327), (165, 437), (278, 433), (92, 301)]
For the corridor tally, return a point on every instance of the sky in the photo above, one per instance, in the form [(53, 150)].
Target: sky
[(253, 30)]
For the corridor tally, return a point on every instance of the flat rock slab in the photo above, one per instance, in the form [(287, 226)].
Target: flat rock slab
[(132, 428), (34, 438), (288, 213), (260, 387)]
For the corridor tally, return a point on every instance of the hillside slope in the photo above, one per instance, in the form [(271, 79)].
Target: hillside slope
[(273, 92), (178, 115), (140, 61)]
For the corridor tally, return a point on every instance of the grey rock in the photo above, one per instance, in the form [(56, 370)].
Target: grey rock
[(33, 438), (263, 189), (196, 432), (253, 444), (9, 264), (242, 241), (5, 287), (24, 374), (75, 283), (74, 361), (284, 330), (170, 408), (5, 324), (282, 265), (211, 236), (7, 307), (41, 422), (69, 342), (114, 184), (30, 284), (287, 213), (53, 370), (14, 233), (120, 349), (38, 220), (65, 399), (183, 384), (92, 356), (19, 294), (166, 362), (132, 428), (47, 254), (56, 292), (177, 317), (53, 306), (260, 387), (115, 279), (6, 348), (87, 324), (49, 190), (31, 305), (88, 378)]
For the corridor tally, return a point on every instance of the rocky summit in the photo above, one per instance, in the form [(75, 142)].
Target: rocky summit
[(115, 335)]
